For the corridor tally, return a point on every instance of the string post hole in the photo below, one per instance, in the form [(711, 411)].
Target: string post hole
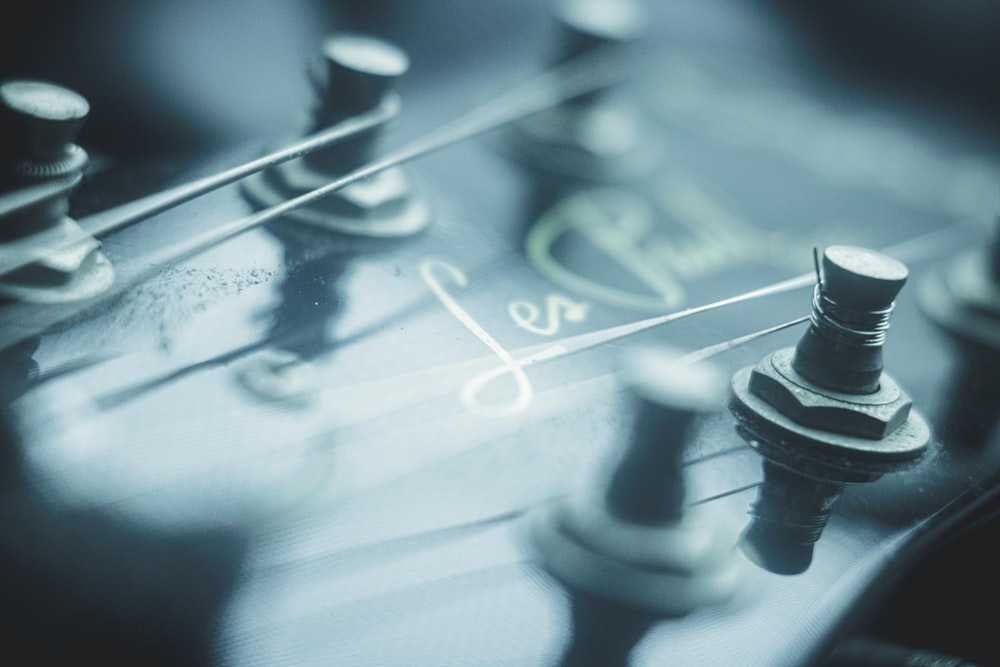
[(824, 413)]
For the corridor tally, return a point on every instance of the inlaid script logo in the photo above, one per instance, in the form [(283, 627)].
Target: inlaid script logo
[(705, 240)]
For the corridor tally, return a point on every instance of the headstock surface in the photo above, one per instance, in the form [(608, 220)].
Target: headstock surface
[(329, 446)]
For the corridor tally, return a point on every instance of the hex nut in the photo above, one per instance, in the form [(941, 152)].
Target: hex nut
[(872, 416)]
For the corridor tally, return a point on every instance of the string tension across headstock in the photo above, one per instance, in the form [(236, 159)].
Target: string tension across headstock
[(374, 377), (355, 75)]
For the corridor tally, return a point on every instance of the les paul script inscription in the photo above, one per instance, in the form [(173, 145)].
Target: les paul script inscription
[(526, 314), (701, 240), (436, 273)]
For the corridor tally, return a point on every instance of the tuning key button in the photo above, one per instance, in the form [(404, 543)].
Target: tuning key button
[(354, 75), (824, 414), (963, 300), (39, 122), (585, 25), (596, 136), (631, 553)]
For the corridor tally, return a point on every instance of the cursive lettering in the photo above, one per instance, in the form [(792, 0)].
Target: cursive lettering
[(434, 272), (707, 239), (526, 314)]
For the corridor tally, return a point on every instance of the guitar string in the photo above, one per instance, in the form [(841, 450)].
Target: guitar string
[(120, 397), (413, 594), (393, 548), (113, 219), (566, 346), (388, 418), (920, 248), (463, 530), (731, 492), (586, 73), (692, 357), (458, 531), (253, 221), (726, 494), (390, 421), (707, 352), (578, 344), (394, 420), (400, 546)]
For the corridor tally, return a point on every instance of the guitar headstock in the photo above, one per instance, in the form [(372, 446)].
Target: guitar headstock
[(338, 405)]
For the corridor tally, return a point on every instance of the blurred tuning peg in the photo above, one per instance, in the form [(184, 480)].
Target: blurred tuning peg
[(355, 75), (824, 414), (592, 137), (39, 168), (632, 554), (964, 301)]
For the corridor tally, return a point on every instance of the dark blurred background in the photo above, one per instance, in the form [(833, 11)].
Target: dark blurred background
[(190, 76), (201, 74)]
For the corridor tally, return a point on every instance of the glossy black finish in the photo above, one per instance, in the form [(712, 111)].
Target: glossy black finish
[(382, 511)]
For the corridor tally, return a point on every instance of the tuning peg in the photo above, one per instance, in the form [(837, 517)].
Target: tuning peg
[(354, 75), (631, 553), (39, 122), (964, 301), (824, 414), (593, 136), (584, 26), (39, 169)]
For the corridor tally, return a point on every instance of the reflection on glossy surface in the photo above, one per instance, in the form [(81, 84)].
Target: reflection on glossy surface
[(382, 521), (308, 303)]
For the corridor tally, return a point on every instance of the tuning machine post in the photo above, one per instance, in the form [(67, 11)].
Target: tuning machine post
[(632, 553), (40, 166), (596, 136), (824, 414), (355, 74), (591, 143)]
